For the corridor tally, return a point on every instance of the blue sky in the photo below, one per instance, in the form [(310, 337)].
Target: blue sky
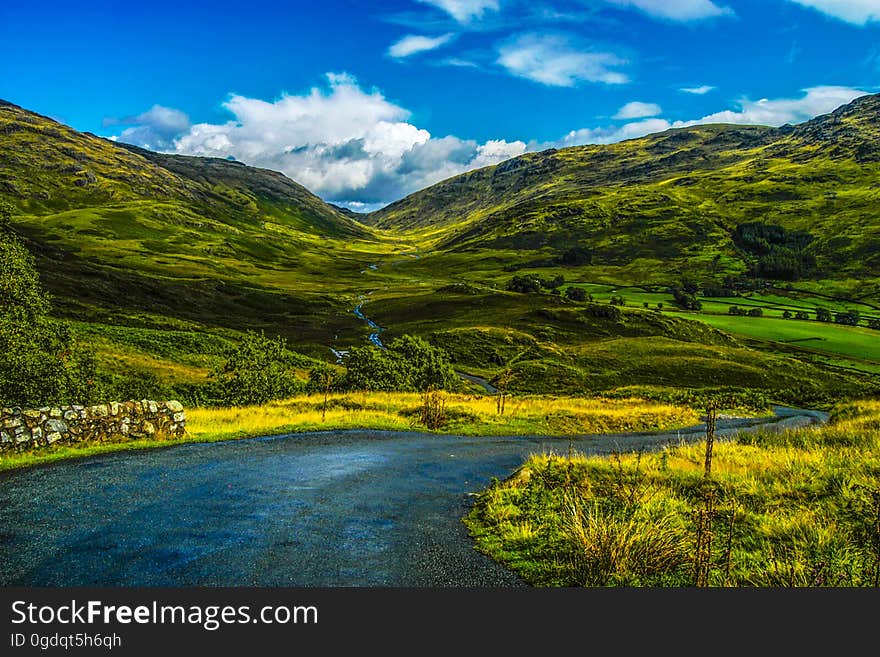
[(364, 102)]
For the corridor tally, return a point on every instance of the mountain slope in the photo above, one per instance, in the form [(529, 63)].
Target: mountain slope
[(674, 198), (125, 235), (47, 167)]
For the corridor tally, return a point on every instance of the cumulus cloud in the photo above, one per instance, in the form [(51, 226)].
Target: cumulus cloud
[(638, 110), (857, 12), (154, 129), (678, 10), (348, 145), (413, 44), (356, 148), (464, 10), (612, 134), (698, 91), (555, 60), (777, 112)]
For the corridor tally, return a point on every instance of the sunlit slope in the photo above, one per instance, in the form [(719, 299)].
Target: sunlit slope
[(121, 231), (674, 197)]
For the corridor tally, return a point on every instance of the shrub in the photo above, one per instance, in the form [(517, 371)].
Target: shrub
[(850, 318), (577, 256), (685, 299), (524, 284), (576, 294), (409, 364), (257, 370)]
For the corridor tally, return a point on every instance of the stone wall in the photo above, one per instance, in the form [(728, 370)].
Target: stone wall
[(24, 428)]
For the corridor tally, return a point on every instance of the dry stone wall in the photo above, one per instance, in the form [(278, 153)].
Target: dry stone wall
[(25, 428)]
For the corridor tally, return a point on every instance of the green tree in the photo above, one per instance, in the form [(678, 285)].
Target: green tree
[(408, 364), (576, 294), (373, 369), (257, 370), (40, 362), (823, 315), (426, 367)]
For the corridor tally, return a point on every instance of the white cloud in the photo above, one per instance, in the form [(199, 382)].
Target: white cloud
[(348, 145), (356, 148), (412, 44), (677, 10), (554, 60), (815, 101), (460, 63), (638, 110), (464, 10), (154, 129), (857, 12), (610, 135), (698, 91)]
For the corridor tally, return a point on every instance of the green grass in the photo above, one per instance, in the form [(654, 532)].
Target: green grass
[(160, 260), (854, 342), (797, 508), (466, 415)]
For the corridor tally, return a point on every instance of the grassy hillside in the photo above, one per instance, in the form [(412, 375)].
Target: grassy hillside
[(129, 237), (161, 261), (797, 508), (670, 201)]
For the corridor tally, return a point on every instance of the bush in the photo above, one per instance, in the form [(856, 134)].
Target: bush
[(756, 312), (577, 256), (409, 364), (532, 284), (576, 294), (850, 318), (552, 283), (139, 384), (685, 299), (524, 284), (257, 370), (426, 367)]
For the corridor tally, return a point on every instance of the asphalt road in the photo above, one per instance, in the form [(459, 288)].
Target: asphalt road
[(355, 508)]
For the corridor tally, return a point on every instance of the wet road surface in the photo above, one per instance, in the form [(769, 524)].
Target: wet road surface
[(353, 508)]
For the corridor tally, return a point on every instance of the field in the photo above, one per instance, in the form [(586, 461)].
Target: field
[(466, 415), (798, 508)]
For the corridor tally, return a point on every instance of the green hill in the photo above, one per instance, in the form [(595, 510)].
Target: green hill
[(128, 236), (160, 261), (671, 201)]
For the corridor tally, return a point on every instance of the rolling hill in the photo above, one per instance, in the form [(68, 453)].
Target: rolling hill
[(670, 201), (159, 260), (125, 235)]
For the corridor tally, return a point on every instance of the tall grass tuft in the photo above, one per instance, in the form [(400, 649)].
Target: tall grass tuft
[(610, 548)]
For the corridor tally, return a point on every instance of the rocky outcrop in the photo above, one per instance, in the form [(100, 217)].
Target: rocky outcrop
[(26, 428)]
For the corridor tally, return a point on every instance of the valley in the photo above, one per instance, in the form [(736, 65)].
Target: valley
[(595, 300)]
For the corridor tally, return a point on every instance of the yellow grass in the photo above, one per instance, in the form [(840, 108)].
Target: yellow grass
[(467, 415)]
